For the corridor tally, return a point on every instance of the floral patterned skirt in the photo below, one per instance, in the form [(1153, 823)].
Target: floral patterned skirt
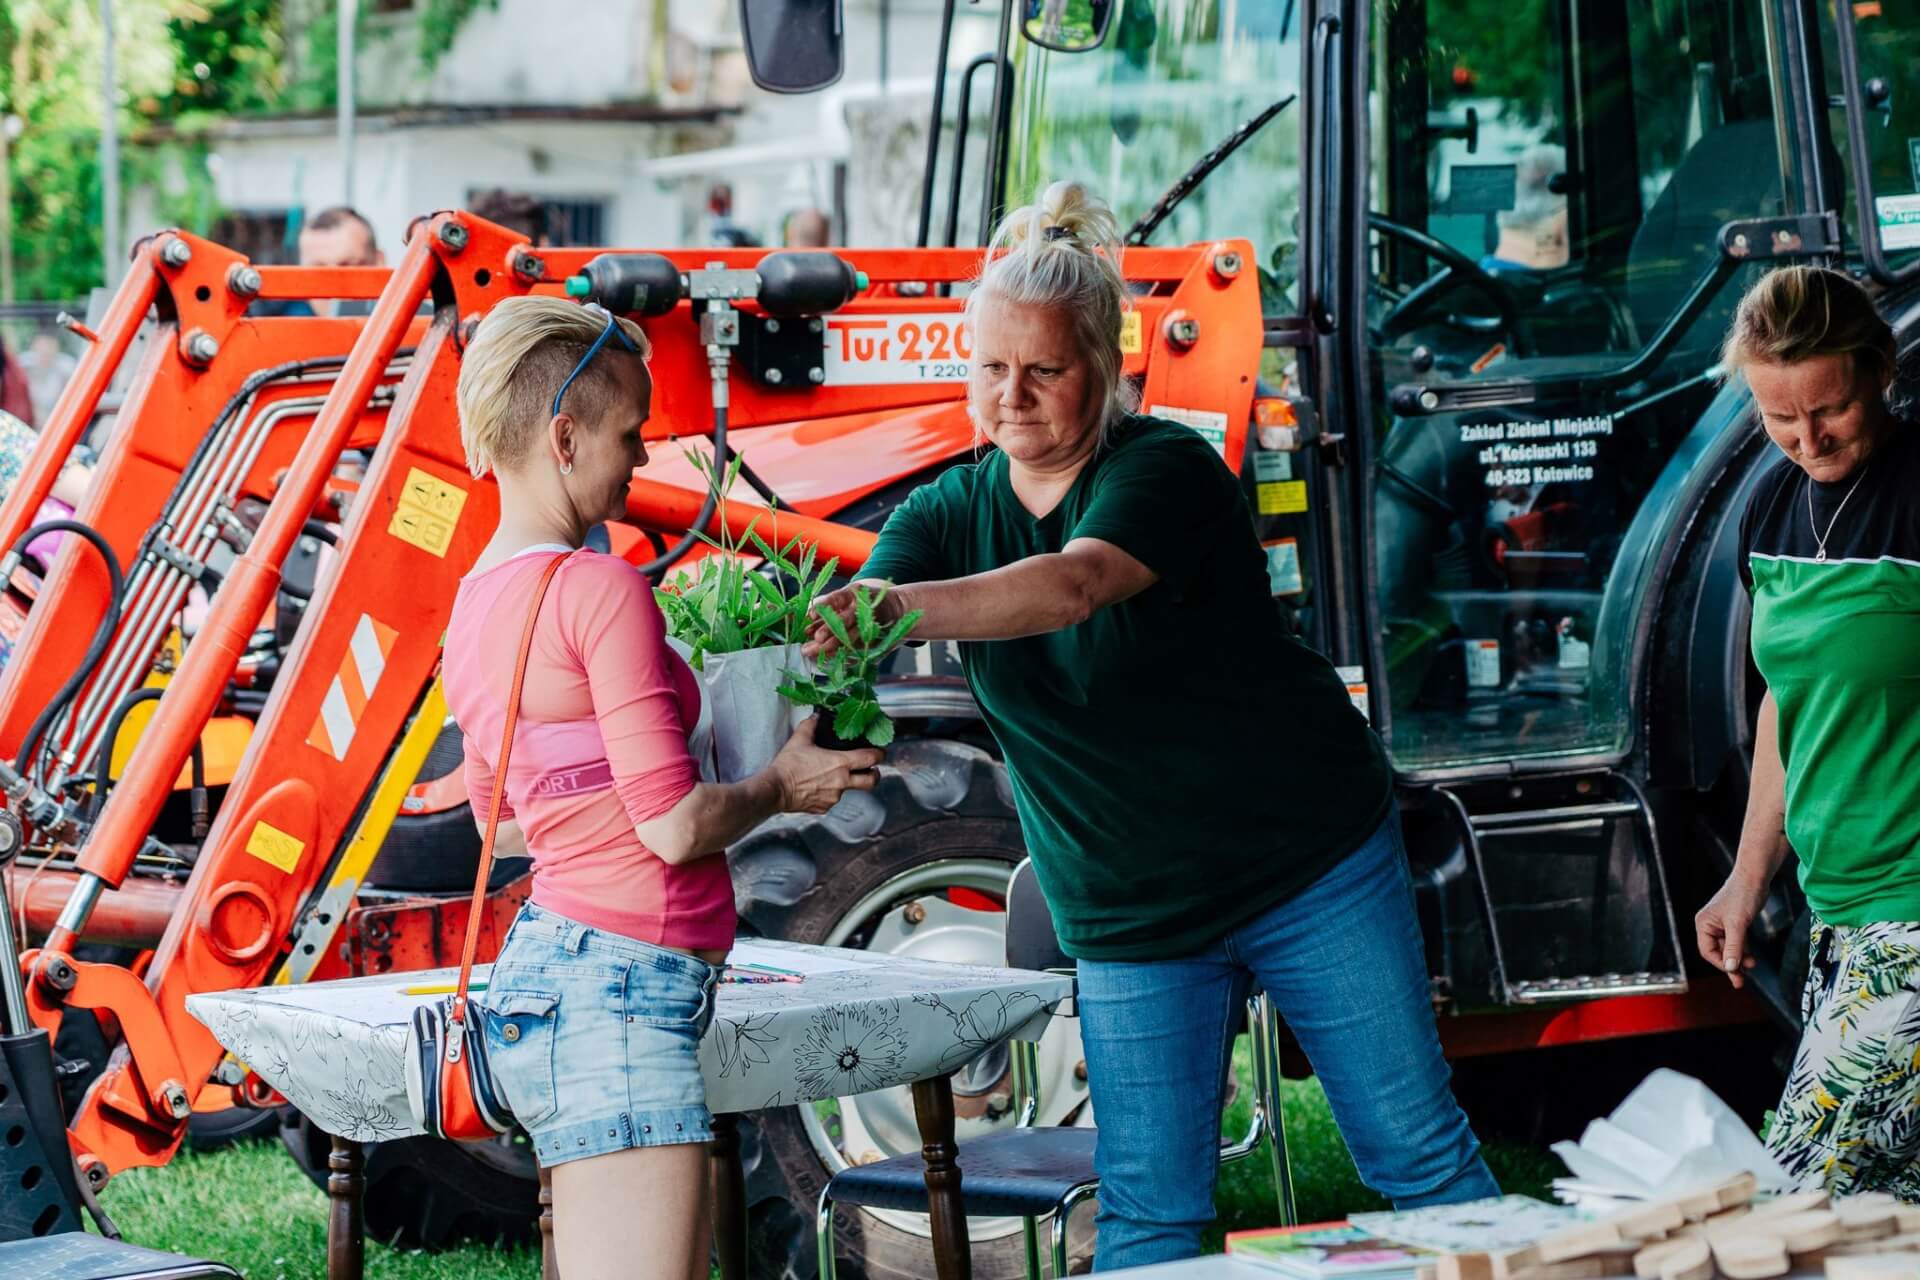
[(1849, 1119)]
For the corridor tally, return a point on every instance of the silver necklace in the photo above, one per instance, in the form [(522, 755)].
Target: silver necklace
[(1819, 538)]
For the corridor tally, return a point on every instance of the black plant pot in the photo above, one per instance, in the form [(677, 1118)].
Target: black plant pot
[(824, 736)]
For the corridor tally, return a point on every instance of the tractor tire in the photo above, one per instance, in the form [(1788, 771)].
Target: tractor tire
[(940, 819), (212, 1130), (431, 852), (426, 1193)]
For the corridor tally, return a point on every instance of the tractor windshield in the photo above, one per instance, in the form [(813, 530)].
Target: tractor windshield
[(1173, 79)]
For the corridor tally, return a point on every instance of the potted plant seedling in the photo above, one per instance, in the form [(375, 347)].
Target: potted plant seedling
[(739, 625), (841, 687)]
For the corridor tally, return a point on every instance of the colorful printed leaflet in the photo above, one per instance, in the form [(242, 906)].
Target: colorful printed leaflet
[(1327, 1251)]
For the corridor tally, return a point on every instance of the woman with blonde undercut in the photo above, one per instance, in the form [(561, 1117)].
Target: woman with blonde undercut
[(604, 985), (1204, 806)]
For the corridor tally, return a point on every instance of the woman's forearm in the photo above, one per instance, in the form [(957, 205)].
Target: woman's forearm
[(1763, 834), (1030, 597), (711, 816)]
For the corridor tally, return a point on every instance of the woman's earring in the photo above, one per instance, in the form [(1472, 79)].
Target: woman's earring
[(566, 468)]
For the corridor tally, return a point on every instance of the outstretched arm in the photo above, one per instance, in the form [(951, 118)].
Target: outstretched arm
[(1030, 597)]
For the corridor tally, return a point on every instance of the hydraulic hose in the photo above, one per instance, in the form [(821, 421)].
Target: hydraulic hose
[(311, 529), (658, 566), (103, 634)]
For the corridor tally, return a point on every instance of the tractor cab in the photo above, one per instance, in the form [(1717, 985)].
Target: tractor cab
[(1494, 465)]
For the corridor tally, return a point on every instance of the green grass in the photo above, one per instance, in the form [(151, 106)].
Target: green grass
[(251, 1207)]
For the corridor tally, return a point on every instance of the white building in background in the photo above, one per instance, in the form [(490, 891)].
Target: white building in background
[(622, 114)]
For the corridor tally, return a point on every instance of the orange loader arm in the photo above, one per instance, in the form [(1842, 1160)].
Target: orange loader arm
[(369, 644)]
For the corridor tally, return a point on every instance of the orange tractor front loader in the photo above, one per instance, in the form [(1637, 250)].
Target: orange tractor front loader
[(791, 359)]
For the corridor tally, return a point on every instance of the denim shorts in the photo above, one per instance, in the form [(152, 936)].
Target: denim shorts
[(594, 1038)]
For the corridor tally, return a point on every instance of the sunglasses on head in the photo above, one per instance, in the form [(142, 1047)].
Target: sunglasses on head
[(613, 330)]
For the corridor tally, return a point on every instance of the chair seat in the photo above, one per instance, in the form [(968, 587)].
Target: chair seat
[(75, 1255), (1016, 1173)]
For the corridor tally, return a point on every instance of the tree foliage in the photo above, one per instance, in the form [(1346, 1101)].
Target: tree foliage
[(218, 58)]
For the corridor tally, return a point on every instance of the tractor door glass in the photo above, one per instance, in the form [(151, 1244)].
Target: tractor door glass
[(1887, 40), (1548, 181), (1174, 79)]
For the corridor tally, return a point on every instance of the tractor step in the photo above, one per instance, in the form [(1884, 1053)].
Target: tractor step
[(36, 1166), (1572, 886), (1597, 985)]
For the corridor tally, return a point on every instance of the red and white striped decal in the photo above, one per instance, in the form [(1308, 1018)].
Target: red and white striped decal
[(352, 688)]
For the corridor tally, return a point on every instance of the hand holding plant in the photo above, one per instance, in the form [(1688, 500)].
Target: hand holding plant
[(860, 628)]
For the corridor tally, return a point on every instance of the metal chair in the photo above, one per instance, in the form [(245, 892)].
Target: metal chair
[(1028, 1171)]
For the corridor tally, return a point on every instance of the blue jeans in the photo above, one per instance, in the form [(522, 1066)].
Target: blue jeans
[(1342, 962)]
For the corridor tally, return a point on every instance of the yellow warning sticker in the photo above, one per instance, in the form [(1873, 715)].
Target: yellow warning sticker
[(1130, 344), (275, 847), (1282, 497), (428, 511)]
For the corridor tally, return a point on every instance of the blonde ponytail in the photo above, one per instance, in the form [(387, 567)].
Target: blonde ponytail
[(1063, 251)]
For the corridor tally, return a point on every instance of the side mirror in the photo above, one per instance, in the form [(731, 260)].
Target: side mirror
[(793, 46), (1066, 26)]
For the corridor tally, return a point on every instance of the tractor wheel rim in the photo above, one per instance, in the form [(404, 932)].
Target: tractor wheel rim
[(882, 1122)]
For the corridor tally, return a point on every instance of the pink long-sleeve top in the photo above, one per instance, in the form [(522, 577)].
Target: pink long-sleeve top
[(601, 742)]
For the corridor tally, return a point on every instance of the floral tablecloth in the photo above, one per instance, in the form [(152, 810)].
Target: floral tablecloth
[(857, 1022)]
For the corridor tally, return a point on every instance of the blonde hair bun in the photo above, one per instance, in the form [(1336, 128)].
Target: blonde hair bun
[(1065, 211)]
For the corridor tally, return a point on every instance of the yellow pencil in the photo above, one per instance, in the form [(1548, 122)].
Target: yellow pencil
[(447, 990)]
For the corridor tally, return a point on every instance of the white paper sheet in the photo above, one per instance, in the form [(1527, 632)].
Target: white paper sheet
[(1671, 1134)]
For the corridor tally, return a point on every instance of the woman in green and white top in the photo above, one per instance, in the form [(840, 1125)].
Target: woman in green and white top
[(1830, 548)]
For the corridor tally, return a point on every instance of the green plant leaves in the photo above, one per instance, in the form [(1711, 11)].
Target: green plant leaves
[(727, 605)]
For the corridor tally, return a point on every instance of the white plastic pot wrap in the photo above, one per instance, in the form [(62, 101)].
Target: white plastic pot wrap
[(743, 719)]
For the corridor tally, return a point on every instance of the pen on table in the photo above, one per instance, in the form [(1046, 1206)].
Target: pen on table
[(754, 966), (738, 978), (446, 990)]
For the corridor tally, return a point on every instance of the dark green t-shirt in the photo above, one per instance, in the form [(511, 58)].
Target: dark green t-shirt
[(1838, 642), (1179, 762)]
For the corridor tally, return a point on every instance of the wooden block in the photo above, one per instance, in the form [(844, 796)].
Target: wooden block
[(1907, 1218), (1648, 1221), (1514, 1260), (1744, 1257), (1792, 1202), (1648, 1259), (1700, 1203), (1802, 1232), (1730, 1193), (1580, 1240), (1905, 1242), (1426, 1271), (1591, 1267), (1737, 1219), (1465, 1266), (1868, 1217), (1738, 1190), (1875, 1266), (1693, 1262)]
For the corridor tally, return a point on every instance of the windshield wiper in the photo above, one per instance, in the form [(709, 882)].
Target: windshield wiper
[(1137, 234)]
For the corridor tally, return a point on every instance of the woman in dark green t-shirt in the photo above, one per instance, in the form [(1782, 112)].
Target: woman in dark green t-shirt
[(1205, 808), (1830, 548)]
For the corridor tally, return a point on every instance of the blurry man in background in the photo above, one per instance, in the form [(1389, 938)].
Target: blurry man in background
[(335, 237), (340, 237), (806, 229), (516, 211)]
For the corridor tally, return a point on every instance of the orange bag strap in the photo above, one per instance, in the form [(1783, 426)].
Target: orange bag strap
[(459, 1014)]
